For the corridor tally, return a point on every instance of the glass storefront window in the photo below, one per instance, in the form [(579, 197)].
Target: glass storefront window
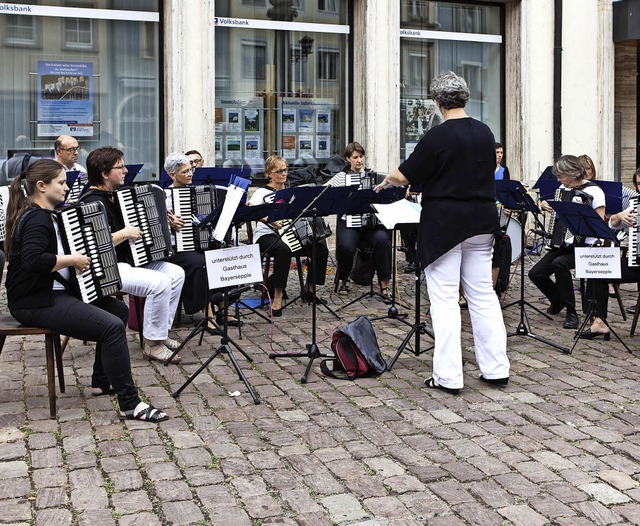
[(71, 69), (281, 86), (448, 36)]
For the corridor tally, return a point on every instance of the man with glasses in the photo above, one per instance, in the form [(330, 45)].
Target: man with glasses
[(195, 158), (67, 153)]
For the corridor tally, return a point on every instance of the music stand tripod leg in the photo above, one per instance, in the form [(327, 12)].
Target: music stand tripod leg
[(593, 309)]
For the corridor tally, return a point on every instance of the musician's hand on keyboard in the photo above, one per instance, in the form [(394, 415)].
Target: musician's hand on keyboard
[(81, 262), (131, 232), (627, 217), (175, 222), (544, 206)]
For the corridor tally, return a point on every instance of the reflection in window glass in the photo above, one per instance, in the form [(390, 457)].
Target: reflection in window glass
[(328, 65), (119, 93), (254, 59)]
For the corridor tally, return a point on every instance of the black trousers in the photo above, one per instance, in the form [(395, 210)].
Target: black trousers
[(347, 240), (195, 291), (556, 262), (409, 235), (598, 289), (282, 254), (102, 321)]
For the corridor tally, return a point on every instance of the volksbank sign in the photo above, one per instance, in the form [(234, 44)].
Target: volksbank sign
[(220, 21)]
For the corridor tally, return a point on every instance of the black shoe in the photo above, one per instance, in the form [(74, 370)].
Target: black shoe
[(410, 268), (495, 381), (631, 310), (276, 313), (230, 322), (571, 321), (430, 382), (588, 335)]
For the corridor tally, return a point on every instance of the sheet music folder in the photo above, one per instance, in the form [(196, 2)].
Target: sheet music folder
[(514, 196), (582, 220)]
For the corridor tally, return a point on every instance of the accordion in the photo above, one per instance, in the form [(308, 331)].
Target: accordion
[(193, 204), (301, 234), (4, 202), (365, 181), (77, 187), (560, 235), (84, 228), (145, 207), (633, 253)]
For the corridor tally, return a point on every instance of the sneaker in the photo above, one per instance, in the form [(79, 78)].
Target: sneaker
[(160, 353), (172, 344), (571, 321)]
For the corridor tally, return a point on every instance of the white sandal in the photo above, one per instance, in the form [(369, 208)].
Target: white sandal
[(172, 344), (160, 353)]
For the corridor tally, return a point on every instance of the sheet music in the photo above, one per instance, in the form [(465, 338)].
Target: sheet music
[(234, 195), (400, 212)]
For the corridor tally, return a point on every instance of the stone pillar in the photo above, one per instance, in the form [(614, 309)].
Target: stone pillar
[(376, 82), (189, 77)]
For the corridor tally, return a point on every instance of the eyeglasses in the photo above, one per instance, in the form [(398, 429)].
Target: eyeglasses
[(196, 161), (72, 149), (119, 167), (282, 171)]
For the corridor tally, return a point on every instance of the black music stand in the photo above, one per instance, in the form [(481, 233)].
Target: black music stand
[(202, 326), (514, 197), (584, 221), (325, 201)]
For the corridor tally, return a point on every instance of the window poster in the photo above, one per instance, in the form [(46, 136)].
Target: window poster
[(219, 120), (65, 98), (233, 146), (420, 117), (323, 122), (322, 146), (305, 145), (288, 120), (233, 120), (306, 118), (251, 120), (289, 146), (218, 145), (252, 148)]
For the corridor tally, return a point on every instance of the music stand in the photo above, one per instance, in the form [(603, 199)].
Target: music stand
[(513, 196), (584, 221), (325, 201)]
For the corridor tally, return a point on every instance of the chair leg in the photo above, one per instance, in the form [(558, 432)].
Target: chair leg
[(65, 342), (265, 278), (51, 380), (2, 339), (616, 288), (139, 314), (635, 318), (58, 350)]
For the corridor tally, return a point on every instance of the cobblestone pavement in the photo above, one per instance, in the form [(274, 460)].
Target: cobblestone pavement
[(559, 445)]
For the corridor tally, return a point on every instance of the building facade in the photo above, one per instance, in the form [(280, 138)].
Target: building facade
[(242, 79)]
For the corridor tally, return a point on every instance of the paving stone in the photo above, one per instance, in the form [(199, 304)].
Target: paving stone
[(86, 478), (126, 480), (344, 507), (140, 519), (129, 502), (385, 467), (13, 469), (13, 488), (51, 498), (14, 510), (475, 513), (604, 493), (182, 512), (598, 513), (163, 471), (522, 516), (53, 517), (89, 498), (618, 480)]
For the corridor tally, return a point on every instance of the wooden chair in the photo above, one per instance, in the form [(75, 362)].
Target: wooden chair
[(53, 352)]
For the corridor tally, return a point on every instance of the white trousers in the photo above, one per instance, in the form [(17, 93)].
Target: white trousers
[(160, 283), (468, 263)]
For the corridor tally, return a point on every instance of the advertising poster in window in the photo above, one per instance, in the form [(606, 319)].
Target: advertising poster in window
[(252, 148), (421, 116), (233, 147), (65, 98), (323, 122), (251, 120), (305, 144), (233, 120), (322, 146), (288, 121), (289, 146), (306, 121)]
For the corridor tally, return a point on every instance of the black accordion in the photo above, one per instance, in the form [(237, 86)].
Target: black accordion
[(365, 181), (301, 234), (559, 232), (84, 228), (145, 207), (193, 204), (633, 253)]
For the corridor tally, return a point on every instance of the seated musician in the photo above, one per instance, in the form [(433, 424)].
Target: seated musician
[(276, 171), (347, 239), (597, 288), (159, 282), (559, 261), (37, 293), (195, 293)]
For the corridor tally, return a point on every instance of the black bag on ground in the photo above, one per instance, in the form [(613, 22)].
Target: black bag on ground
[(363, 269), (356, 350), (502, 260)]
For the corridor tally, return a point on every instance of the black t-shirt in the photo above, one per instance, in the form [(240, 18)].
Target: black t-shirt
[(454, 164)]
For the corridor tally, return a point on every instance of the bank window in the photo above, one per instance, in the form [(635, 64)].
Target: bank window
[(327, 5), (467, 19), (21, 31), (299, 66), (254, 60), (328, 65), (472, 73), (78, 33), (417, 69), (148, 40)]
